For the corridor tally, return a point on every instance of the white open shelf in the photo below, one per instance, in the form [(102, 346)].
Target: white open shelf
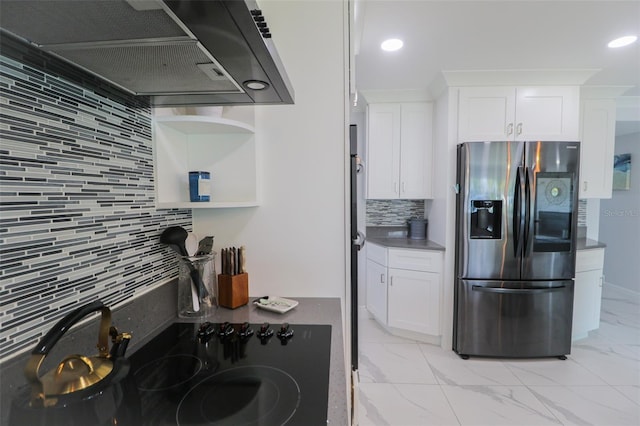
[(225, 148)]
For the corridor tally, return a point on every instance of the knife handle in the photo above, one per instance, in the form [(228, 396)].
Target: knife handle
[(243, 260)]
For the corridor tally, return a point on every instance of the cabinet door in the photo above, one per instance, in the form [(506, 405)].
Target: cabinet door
[(596, 148), (377, 290), (416, 151), (383, 151), (547, 113), (586, 303), (415, 260), (486, 114), (414, 301)]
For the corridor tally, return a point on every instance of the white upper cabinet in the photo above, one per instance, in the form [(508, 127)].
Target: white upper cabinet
[(518, 113), (416, 150), (383, 150), (399, 150), (597, 146)]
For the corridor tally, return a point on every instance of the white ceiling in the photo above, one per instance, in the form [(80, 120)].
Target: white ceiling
[(456, 35)]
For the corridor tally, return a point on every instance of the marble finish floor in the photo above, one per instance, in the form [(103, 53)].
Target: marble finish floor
[(407, 383)]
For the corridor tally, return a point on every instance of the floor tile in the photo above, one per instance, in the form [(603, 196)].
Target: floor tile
[(588, 405), (552, 371), (498, 405), (394, 363), (619, 330), (615, 364), (631, 392), (404, 405), (370, 331), (406, 383), (450, 369)]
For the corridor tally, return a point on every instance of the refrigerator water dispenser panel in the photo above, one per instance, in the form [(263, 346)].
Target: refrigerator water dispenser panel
[(486, 219)]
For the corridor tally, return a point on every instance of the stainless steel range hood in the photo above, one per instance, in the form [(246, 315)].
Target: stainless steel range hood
[(182, 52)]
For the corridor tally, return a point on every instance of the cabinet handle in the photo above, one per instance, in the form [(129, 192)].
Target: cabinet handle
[(391, 281), (584, 185), (403, 188), (395, 187), (381, 278), (510, 128), (601, 280), (519, 128)]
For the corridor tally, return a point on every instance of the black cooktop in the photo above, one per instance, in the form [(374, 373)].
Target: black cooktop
[(234, 374)]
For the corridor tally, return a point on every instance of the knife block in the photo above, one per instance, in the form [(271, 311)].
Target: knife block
[(233, 290)]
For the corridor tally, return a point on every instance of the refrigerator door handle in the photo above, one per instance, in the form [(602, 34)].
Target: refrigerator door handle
[(503, 290), (518, 219), (528, 224)]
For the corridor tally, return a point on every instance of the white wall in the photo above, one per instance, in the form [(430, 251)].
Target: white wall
[(442, 213), (620, 223), (296, 239)]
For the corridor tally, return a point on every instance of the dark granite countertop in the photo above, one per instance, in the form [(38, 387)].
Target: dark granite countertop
[(148, 315), (586, 244), (406, 243), (397, 237), (310, 310)]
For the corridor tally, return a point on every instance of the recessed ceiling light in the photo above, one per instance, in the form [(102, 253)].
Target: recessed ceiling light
[(391, 44), (622, 41)]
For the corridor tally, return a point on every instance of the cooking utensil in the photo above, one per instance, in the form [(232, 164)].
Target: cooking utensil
[(175, 237), (205, 246), (191, 244), (81, 390)]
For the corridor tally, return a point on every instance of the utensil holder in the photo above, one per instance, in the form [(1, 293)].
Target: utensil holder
[(197, 286), (233, 290)]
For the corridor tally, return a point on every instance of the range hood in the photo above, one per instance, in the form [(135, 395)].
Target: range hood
[(182, 52)]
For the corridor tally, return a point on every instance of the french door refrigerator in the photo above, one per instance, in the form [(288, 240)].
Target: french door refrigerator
[(516, 219)]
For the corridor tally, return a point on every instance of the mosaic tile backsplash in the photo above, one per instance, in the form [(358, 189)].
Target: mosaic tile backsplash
[(393, 212), (582, 212), (78, 220), (397, 212)]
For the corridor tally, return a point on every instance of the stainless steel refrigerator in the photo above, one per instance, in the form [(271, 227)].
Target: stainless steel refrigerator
[(516, 221)]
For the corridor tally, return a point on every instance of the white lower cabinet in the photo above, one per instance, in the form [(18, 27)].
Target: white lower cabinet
[(404, 290), (414, 301), (377, 290), (587, 296)]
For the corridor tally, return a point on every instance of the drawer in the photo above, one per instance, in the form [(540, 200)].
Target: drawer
[(588, 260), (416, 260), (377, 253)]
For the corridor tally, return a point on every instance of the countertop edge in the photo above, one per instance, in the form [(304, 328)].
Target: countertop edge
[(408, 243), (587, 243)]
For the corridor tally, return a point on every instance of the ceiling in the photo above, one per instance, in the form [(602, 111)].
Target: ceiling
[(455, 35)]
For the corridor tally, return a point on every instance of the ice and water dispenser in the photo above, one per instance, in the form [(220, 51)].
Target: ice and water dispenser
[(486, 219)]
